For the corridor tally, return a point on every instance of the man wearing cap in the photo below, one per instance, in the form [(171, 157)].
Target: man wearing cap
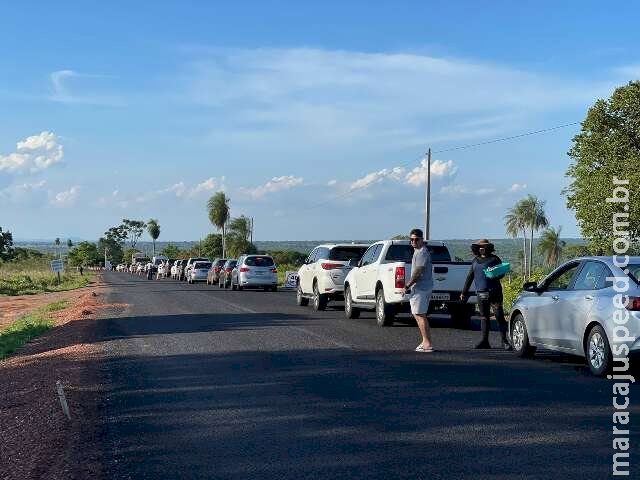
[(488, 290)]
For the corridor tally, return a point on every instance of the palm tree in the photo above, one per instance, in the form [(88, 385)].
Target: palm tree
[(57, 244), (153, 227), (515, 223), (551, 246), (218, 209), (535, 219)]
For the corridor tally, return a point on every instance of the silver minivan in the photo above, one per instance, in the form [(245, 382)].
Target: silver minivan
[(573, 310), (255, 271)]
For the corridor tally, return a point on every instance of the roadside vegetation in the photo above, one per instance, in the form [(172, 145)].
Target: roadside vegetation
[(27, 272), (27, 327)]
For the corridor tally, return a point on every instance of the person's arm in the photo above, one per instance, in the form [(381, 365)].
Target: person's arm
[(467, 283)]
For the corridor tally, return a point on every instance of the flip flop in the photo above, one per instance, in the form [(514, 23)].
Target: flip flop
[(421, 349)]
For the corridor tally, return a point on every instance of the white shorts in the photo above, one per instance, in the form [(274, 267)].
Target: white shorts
[(419, 301)]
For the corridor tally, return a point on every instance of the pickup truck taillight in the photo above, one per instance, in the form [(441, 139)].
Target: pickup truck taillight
[(244, 269), (331, 266), (228, 270), (633, 304), (399, 277)]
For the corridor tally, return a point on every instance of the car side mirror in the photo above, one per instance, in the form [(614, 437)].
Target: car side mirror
[(531, 287)]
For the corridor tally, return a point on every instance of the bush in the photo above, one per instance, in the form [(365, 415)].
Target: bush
[(513, 289)]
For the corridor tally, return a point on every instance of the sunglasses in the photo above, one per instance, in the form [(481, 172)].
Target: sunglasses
[(415, 239)]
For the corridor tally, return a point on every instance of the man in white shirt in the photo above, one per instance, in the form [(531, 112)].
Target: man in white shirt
[(420, 287)]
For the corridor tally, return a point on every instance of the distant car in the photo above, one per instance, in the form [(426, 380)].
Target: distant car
[(198, 272), (214, 272), (255, 271), (224, 279), (187, 266), (573, 310)]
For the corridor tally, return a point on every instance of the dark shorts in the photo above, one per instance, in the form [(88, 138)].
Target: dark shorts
[(492, 296)]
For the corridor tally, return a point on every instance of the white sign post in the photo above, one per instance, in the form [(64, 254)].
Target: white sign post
[(291, 279)]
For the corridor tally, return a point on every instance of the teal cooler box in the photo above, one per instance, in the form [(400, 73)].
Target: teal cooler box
[(498, 270)]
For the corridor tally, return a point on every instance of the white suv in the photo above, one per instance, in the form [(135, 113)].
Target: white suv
[(321, 278)]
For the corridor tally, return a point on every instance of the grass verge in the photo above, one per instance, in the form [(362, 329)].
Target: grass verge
[(27, 327), (34, 282), (282, 271)]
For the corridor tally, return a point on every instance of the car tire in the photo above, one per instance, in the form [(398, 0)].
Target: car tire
[(598, 352), (319, 300), (384, 312), (301, 301), (520, 338), (233, 286), (350, 311), (274, 289)]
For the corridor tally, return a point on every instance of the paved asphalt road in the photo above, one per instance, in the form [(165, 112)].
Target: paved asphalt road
[(209, 383)]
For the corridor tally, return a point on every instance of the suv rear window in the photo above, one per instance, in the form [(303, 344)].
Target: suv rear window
[(259, 261), (202, 265), (345, 254), (404, 253), (220, 263)]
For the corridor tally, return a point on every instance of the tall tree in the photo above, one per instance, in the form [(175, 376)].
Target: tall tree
[(69, 243), (515, 223), (153, 227), (171, 251), (535, 219), (86, 253), (6, 245), (239, 232), (218, 210), (551, 246), (133, 229), (607, 146)]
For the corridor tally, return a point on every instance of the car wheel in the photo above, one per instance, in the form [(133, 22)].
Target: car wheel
[(598, 351), (233, 286), (266, 289), (274, 289), (349, 310), (384, 311), (319, 300), (520, 337), (301, 301)]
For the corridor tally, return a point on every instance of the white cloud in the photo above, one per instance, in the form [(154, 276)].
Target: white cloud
[(276, 184), (331, 183), (60, 92), (517, 187), (87, 88), (177, 189), (34, 154), (209, 185), (20, 192), (439, 169), (376, 177), (66, 198), (343, 98), (464, 190)]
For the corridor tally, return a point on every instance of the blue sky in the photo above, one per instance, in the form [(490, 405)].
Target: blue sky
[(313, 118)]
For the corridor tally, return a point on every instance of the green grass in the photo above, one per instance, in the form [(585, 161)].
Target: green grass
[(34, 276), (27, 327), (282, 270)]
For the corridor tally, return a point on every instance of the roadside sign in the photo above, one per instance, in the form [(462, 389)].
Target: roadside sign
[(291, 279), (57, 266)]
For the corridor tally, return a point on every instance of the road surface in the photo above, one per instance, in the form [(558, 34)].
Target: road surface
[(209, 383)]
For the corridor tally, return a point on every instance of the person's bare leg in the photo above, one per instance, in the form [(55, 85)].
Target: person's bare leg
[(425, 330)]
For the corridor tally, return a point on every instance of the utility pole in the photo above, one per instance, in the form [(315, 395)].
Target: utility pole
[(427, 210), (251, 231)]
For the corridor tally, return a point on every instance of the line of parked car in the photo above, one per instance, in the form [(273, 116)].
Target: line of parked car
[(572, 310)]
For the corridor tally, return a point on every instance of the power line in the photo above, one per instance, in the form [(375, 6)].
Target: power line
[(461, 147)]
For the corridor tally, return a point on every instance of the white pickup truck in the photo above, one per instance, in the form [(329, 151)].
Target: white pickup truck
[(378, 281)]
